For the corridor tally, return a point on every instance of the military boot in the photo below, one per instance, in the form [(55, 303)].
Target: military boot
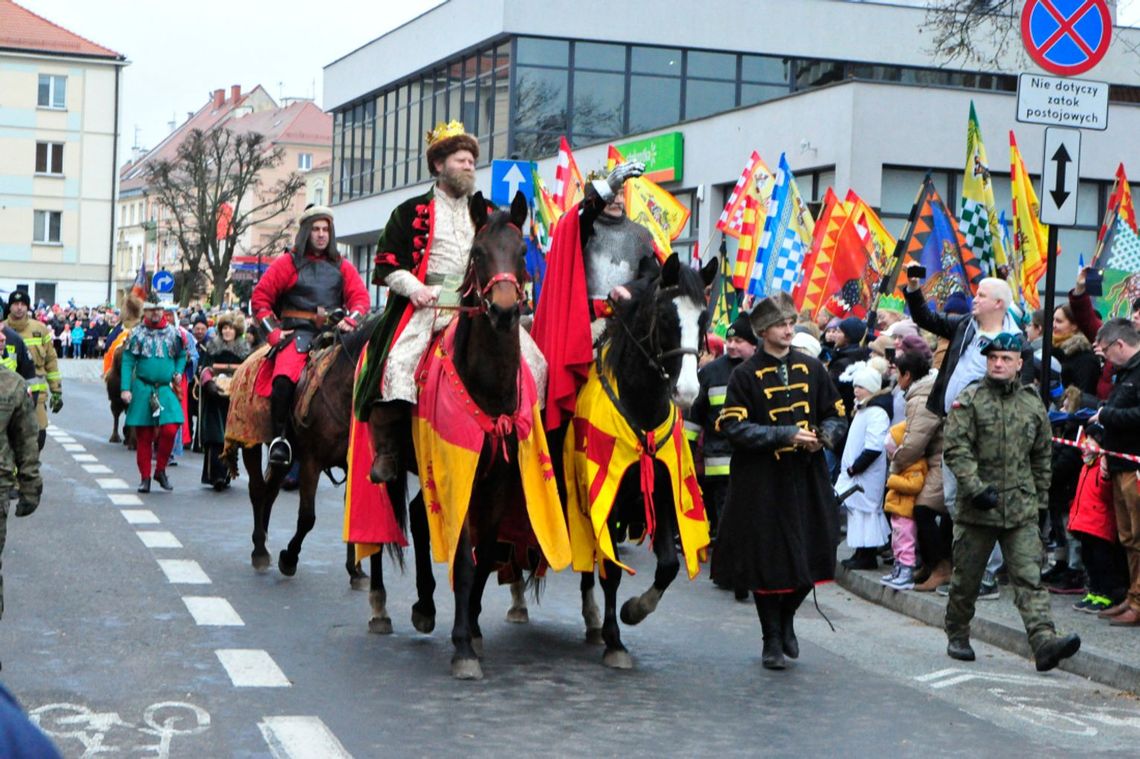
[(960, 649), (768, 609), (281, 412), (1050, 653)]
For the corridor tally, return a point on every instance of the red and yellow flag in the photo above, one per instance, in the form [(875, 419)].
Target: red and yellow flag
[(750, 228), (569, 187), (651, 206), (1030, 236), (756, 182)]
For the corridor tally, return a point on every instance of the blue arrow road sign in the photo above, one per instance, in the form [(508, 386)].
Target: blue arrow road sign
[(508, 177), (162, 282)]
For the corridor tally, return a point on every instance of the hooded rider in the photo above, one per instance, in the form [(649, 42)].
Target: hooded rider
[(292, 302)]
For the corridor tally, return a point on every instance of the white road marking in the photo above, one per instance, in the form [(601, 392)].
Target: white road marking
[(158, 539), (252, 668), (112, 483), (83, 457), (184, 571), (125, 499), (64, 439), (296, 737), (212, 610), (75, 447), (97, 469), (139, 516), (944, 678)]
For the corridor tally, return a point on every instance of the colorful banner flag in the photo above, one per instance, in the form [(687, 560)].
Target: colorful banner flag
[(934, 241), (787, 238), (1120, 207), (837, 277), (546, 213), (1014, 271), (979, 222), (1030, 236), (1121, 290), (569, 187), (722, 308), (648, 204), (800, 294), (141, 285), (871, 226), (1125, 251), (750, 229), (757, 182)]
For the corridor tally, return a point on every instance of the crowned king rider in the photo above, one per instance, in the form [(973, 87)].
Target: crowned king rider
[(292, 303), (422, 252)]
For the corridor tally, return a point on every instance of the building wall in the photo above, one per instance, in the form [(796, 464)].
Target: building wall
[(79, 265)]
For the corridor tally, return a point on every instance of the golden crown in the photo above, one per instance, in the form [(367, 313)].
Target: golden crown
[(443, 131)]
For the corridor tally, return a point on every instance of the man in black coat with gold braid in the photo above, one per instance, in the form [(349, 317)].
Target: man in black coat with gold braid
[(781, 526)]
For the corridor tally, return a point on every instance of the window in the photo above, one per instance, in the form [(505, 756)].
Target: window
[(47, 225), (319, 194), (49, 157), (304, 161), (52, 91)]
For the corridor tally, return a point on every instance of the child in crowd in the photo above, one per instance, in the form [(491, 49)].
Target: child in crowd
[(1092, 522), (863, 464), (902, 489)]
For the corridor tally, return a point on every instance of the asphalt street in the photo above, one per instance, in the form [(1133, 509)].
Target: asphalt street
[(136, 624)]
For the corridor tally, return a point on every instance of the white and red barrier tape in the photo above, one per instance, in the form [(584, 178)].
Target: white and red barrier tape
[(1092, 449)]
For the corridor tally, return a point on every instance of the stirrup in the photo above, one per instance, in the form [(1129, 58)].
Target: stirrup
[(276, 444)]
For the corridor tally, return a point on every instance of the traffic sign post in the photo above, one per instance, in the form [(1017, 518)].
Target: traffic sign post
[(509, 177), (1059, 178), (162, 282), (1066, 37)]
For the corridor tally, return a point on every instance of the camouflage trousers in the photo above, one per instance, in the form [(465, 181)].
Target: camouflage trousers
[(1023, 552)]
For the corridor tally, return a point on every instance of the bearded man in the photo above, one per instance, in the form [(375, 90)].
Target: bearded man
[(422, 252)]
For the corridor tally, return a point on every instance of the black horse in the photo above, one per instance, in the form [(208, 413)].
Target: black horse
[(649, 349), (487, 326)]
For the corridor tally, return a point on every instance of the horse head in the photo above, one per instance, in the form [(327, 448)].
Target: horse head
[(496, 269), (665, 326)]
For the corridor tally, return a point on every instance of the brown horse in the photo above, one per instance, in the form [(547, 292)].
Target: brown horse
[(320, 444), (486, 355), (113, 381)]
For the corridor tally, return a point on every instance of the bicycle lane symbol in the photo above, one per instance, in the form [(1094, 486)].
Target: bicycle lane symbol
[(163, 720)]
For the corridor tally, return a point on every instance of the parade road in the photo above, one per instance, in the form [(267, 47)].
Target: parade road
[(135, 625)]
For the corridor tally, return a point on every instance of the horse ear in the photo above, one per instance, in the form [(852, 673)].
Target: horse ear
[(478, 208), (708, 271), (671, 271), (519, 209)]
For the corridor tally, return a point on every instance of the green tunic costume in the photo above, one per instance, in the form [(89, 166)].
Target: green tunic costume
[(152, 359)]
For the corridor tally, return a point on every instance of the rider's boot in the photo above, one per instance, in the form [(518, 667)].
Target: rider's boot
[(388, 421), (281, 410)]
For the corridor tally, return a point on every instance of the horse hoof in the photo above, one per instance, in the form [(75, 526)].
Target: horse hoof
[(286, 564), (260, 561), (594, 636), (617, 658), (631, 612), (518, 616), (358, 582), (380, 625), (115, 439), (477, 644), (424, 623), (466, 669)]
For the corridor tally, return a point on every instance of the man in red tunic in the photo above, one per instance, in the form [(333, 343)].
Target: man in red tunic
[(292, 302)]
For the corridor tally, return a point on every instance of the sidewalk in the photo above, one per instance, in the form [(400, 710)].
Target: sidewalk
[(81, 369), (1108, 655)]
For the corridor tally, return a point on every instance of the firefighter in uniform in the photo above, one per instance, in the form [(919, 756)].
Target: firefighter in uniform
[(38, 339), (19, 453), (739, 345)]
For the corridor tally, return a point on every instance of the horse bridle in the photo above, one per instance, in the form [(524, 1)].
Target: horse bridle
[(656, 359), (484, 292)]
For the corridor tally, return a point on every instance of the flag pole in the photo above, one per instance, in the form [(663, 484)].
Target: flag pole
[(887, 284), (1102, 233)]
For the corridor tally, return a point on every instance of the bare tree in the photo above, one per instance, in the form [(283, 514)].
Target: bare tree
[(975, 32), (214, 194)]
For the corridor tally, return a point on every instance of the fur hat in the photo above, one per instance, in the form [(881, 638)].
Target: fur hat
[(805, 343), (861, 374), (235, 319), (446, 139), (313, 211), (772, 310), (742, 329), (853, 329), (301, 242)]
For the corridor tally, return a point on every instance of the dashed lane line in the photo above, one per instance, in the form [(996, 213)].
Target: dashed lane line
[(296, 737), (139, 516), (74, 447), (97, 469), (112, 483), (125, 499), (183, 571), (81, 457), (212, 611), (252, 668), (158, 539)]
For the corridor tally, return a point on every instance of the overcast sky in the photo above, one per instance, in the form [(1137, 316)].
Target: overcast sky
[(181, 51)]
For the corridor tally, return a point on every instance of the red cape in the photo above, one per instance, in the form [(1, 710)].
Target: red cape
[(562, 321)]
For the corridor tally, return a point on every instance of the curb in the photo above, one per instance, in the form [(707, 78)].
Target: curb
[(1091, 664)]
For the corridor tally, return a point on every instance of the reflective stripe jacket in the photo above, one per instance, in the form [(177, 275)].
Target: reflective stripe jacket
[(38, 339), (703, 415)]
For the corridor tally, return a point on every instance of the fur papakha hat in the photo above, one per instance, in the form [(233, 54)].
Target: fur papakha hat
[(772, 310), (447, 138), (235, 319)]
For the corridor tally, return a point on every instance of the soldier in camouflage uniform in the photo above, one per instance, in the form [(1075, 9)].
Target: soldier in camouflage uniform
[(19, 454), (998, 447), (38, 338)]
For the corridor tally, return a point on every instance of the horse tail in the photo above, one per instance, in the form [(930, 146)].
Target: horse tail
[(398, 495)]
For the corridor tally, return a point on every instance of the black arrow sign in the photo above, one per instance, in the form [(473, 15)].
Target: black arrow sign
[(1059, 193)]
